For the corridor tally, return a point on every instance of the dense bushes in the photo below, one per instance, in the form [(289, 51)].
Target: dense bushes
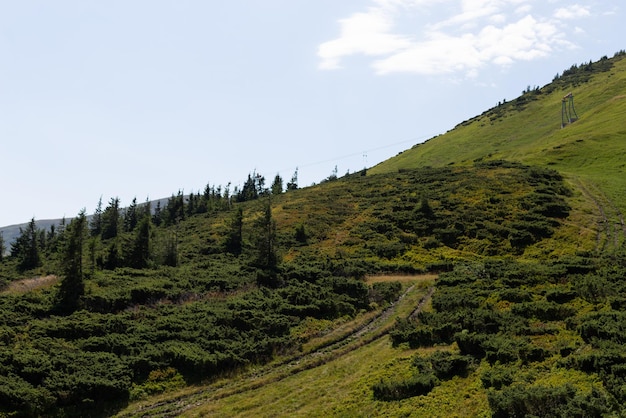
[(428, 373), (525, 323), (96, 359), (546, 401), (203, 306)]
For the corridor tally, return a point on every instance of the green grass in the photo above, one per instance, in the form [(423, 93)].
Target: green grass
[(508, 185), (342, 388), (592, 149), (344, 221)]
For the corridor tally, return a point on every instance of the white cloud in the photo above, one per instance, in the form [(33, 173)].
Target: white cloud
[(364, 33), (479, 33), (497, 19), (572, 12), (525, 9), (525, 39)]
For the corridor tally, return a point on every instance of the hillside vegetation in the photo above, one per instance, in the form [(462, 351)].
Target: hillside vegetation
[(214, 302), (589, 152)]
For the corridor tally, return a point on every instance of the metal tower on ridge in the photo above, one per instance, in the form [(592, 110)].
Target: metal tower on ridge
[(568, 113)]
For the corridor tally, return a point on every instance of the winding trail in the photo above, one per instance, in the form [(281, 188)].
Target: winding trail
[(375, 328), (611, 225)]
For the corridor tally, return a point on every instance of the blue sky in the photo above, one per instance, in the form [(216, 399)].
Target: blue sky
[(142, 98)]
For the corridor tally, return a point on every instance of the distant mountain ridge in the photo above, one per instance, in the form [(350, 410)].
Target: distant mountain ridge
[(11, 232)]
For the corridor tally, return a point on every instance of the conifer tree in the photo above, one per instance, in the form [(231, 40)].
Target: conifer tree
[(170, 253), (26, 247), (175, 210), (95, 227), (142, 244), (259, 182), (146, 209), (113, 259), (111, 219), (157, 216), (234, 236), (293, 184), (277, 185), (266, 256), (131, 216), (72, 285), (248, 191)]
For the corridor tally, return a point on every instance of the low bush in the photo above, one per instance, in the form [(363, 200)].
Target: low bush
[(420, 384)]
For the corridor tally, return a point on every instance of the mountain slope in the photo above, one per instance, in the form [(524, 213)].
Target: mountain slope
[(245, 295), (528, 129)]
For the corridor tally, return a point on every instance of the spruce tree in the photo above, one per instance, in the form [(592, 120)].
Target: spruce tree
[(142, 244), (234, 236), (113, 259), (266, 256), (277, 185), (170, 251), (95, 227), (157, 217), (26, 247), (293, 184), (111, 219), (249, 190), (131, 216), (72, 285)]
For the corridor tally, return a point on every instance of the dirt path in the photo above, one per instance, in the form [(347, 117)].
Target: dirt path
[(360, 336), (611, 225)]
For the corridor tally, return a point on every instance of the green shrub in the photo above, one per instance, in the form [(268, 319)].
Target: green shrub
[(496, 377), (385, 292), (546, 401), (446, 365), (420, 384)]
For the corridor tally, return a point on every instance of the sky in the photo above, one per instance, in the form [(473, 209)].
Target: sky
[(145, 98)]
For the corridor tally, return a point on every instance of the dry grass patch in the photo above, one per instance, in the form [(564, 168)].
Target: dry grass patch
[(402, 278), (19, 287)]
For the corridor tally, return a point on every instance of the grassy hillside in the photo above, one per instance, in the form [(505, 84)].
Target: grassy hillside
[(268, 303), (591, 152)]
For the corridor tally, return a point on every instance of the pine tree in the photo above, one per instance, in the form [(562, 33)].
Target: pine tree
[(142, 244), (72, 285), (259, 182), (111, 219), (157, 216), (26, 247), (248, 191), (277, 185), (192, 204), (234, 236), (266, 259), (293, 184), (170, 253), (113, 259), (95, 227), (92, 247), (131, 216), (175, 210)]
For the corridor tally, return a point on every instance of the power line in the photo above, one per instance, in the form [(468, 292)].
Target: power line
[(345, 156), (365, 152)]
